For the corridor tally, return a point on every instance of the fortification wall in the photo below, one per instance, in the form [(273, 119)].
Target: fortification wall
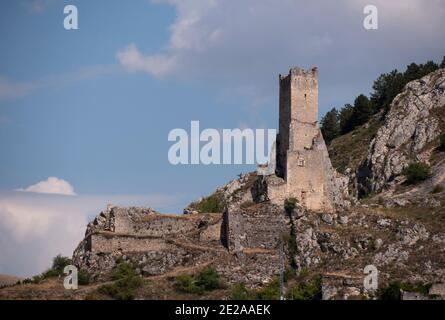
[(256, 227), (109, 242)]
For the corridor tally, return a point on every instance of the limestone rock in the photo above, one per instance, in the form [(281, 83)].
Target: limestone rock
[(327, 218), (409, 127)]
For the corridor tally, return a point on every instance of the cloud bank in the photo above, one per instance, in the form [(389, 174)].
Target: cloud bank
[(48, 220), (245, 44), (52, 185)]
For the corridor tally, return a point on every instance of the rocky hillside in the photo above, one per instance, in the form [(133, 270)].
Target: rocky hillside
[(375, 154), (234, 243), (6, 280)]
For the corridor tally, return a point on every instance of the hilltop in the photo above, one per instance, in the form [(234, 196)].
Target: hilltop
[(235, 242)]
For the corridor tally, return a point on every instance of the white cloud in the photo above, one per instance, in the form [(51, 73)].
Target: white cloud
[(132, 60), (244, 44), (34, 228), (52, 185)]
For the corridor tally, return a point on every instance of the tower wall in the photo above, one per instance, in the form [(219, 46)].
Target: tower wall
[(302, 159)]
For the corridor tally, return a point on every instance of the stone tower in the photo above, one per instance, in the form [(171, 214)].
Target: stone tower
[(302, 159)]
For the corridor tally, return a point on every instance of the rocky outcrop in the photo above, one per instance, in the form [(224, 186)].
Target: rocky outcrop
[(155, 243), (158, 244), (414, 121)]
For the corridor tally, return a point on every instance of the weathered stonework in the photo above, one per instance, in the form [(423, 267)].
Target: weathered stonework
[(260, 226), (157, 244), (302, 158)]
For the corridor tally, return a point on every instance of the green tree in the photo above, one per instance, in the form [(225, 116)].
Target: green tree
[(363, 110), (386, 87), (442, 64), (413, 72), (330, 127), (345, 119), (240, 292), (208, 279), (60, 262), (428, 67), (416, 172)]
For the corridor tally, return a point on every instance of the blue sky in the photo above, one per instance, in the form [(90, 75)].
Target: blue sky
[(93, 107)]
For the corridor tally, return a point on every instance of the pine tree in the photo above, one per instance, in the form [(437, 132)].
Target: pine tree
[(363, 110), (330, 126), (344, 119)]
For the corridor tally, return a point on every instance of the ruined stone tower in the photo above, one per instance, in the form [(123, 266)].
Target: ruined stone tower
[(302, 160)]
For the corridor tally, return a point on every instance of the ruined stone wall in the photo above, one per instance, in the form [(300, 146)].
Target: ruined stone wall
[(108, 242), (154, 225), (260, 226)]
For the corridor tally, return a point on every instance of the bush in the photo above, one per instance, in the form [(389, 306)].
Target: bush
[(207, 280), (60, 262), (123, 270), (240, 292), (125, 285), (394, 290), (269, 292), (290, 204), (211, 204), (416, 172), (186, 283), (391, 292), (123, 289), (308, 290), (56, 270), (83, 278), (437, 189)]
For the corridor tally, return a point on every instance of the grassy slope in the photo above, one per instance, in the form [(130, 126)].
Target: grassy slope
[(351, 149)]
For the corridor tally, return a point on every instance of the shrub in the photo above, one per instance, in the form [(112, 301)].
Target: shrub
[(391, 292), (394, 290), (60, 262), (123, 289), (125, 285), (240, 292), (56, 270), (207, 280), (269, 292), (83, 278), (123, 270), (211, 204), (307, 290), (186, 283), (290, 204), (416, 172), (437, 189)]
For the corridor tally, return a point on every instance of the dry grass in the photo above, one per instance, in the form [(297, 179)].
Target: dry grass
[(350, 150)]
